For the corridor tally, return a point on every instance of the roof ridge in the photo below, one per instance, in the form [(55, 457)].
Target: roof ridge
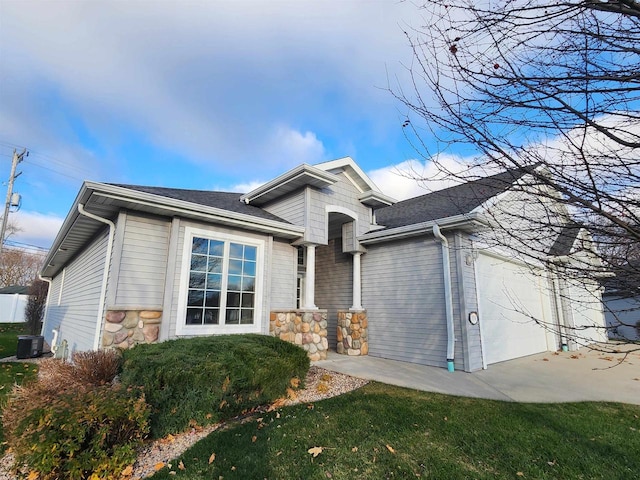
[(152, 187)]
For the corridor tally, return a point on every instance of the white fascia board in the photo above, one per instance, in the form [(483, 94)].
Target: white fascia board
[(376, 197), (297, 172), (421, 228), (349, 162), (209, 213)]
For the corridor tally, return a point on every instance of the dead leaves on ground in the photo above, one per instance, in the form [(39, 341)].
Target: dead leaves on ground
[(315, 451)]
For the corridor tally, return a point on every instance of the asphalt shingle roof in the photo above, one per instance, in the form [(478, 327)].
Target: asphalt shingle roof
[(456, 200), (565, 240), (223, 200)]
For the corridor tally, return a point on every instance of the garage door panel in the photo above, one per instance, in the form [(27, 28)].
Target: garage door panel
[(510, 298)]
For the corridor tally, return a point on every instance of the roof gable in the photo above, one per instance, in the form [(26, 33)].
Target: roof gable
[(370, 194), (352, 171), (457, 200), (288, 182)]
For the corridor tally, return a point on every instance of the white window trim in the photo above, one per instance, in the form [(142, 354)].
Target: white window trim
[(182, 329)]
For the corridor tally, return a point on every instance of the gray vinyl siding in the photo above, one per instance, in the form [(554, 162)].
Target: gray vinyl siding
[(334, 284), (342, 194), (284, 260), (264, 324), (76, 316), (143, 261), (403, 293), (290, 207), (53, 314), (468, 302)]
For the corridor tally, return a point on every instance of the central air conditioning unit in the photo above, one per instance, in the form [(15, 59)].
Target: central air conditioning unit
[(29, 346)]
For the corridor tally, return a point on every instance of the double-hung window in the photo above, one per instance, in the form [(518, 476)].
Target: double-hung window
[(220, 284)]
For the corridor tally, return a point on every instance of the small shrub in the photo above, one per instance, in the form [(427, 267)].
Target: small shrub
[(77, 432), (97, 367), (74, 421), (92, 368), (205, 379)]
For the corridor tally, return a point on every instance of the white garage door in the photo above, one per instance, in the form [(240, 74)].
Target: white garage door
[(509, 296)]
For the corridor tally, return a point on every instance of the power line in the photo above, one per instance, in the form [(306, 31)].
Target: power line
[(15, 243), (48, 157), (54, 170)]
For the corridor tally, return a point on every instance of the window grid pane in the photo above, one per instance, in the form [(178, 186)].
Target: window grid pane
[(206, 288), (241, 284)]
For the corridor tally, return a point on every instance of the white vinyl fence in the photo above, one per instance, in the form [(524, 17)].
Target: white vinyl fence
[(12, 308)]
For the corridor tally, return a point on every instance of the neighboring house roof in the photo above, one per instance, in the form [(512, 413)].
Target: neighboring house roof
[(223, 200), (13, 289), (457, 200)]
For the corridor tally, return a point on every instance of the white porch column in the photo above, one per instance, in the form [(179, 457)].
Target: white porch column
[(357, 283), (310, 279)]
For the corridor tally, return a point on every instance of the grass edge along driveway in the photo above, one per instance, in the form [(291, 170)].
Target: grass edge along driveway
[(381, 431)]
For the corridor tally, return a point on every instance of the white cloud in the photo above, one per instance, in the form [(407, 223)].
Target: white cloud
[(291, 147), (413, 178), (36, 228), (241, 187), (203, 78)]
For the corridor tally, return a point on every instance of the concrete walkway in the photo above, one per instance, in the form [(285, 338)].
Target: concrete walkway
[(549, 377)]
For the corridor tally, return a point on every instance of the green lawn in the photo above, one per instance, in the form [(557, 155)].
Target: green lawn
[(9, 338), (382, 431)]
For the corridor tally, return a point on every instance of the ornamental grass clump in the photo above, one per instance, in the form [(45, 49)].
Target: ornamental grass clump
[(75, 422), (199, 381)]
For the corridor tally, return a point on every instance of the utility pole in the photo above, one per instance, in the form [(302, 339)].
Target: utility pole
[(17, 158)]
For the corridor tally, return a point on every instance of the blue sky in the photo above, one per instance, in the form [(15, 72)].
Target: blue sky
[(217, 95)]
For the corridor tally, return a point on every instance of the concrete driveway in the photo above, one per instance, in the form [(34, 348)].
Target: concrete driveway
[(548, 377)]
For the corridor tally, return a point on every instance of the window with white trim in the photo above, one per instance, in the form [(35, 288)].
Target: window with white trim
[(219, 283)]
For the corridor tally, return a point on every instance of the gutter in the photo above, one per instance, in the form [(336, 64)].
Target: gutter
[(456, 221), (105, 274), (451, 339)]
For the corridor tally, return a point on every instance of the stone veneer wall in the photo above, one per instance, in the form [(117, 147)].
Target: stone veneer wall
[(126, 328), (353, 337), (305, 328)]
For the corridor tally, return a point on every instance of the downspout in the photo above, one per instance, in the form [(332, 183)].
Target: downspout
[(451, 339), (105, 275), (46, 305), (557, 297)]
